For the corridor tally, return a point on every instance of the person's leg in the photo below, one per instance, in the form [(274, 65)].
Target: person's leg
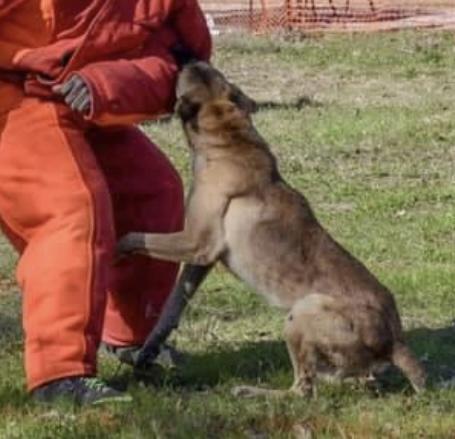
[(147, 196), (55, 205)]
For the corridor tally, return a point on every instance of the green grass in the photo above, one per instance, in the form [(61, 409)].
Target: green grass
[(364, 125)]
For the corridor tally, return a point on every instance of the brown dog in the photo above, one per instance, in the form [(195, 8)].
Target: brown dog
[(241, 212)]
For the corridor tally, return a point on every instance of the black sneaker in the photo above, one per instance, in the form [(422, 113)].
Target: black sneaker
[(168, 357), (79, 390)]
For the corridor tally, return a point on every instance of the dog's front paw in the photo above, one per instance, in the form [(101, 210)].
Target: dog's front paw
[(129, 244)]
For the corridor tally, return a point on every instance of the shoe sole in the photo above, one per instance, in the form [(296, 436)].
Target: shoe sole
[(113, 400)]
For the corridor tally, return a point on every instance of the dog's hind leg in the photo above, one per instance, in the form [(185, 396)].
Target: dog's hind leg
[(304, 375), (304, 361)]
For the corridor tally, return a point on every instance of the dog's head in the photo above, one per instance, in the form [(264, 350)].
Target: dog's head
[(206, 99)]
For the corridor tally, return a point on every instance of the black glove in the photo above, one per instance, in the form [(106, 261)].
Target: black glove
[(76, 94)]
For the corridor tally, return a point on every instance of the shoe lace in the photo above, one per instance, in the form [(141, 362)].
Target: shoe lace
[(94, 383)]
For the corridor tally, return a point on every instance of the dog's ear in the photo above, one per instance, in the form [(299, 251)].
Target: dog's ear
[(241, 100), (186, 109)]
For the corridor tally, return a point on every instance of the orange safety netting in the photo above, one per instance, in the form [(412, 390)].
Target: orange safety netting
[(267, 15)]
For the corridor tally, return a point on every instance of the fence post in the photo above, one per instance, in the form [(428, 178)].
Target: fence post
[(264, 16), (288, 14), (250, 16)]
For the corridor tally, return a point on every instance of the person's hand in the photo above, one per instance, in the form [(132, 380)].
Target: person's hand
[(76, 94)]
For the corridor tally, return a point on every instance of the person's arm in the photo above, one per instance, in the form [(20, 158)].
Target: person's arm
[(127, 91)]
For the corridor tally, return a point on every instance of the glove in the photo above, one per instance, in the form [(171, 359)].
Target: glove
[(75, 93)]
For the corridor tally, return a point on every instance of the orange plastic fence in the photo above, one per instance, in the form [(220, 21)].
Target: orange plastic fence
[(306, 15)]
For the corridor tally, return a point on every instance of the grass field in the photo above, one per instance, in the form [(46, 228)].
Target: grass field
[(365, 126)]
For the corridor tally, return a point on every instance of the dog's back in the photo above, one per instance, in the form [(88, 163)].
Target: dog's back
[(275, 243)]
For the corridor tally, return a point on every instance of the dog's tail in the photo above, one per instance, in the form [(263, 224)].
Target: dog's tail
[(405, 360)]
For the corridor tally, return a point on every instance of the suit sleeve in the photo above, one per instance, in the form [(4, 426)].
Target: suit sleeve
[(13, 29), (8, 5), (129, 91)]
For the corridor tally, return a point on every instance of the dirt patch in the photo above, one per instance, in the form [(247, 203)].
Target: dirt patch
[(328, 15)]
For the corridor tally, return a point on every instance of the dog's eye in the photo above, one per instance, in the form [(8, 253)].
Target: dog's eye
[(188, 110), (235, 98)]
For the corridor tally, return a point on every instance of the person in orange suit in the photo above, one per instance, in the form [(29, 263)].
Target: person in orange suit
[(76, 174)]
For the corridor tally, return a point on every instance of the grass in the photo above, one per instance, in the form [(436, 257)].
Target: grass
[(364, 125)]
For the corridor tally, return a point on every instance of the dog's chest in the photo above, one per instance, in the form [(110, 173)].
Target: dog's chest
[(241, 254), (254, 278), (262, 280)]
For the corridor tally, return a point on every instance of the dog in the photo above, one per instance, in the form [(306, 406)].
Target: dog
[(240, 211)]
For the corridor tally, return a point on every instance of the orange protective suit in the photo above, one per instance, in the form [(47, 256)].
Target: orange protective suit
[(70, 186)]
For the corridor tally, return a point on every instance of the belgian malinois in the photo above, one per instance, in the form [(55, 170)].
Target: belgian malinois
[(342, 321)]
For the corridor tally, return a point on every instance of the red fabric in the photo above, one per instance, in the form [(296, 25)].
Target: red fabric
[(69, 187), (115, 102), (51, 42), (67, 192), (8, 5), (54, 198), (147, 195)]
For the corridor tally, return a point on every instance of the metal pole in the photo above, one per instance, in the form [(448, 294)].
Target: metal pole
[(251, 15)]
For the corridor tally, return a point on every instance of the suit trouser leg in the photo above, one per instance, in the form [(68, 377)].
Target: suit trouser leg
[(147, 195), (56, 207)]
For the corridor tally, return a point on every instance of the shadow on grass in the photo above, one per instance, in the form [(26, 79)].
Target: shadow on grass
[(296, 104), (436, 348), (260, 361), (250, 361)]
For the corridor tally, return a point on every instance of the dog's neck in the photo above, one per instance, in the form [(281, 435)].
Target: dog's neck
[(245, 144), (225, 137)]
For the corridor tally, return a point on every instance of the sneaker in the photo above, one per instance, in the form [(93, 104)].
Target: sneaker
[(168, 357), (81, 391)]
